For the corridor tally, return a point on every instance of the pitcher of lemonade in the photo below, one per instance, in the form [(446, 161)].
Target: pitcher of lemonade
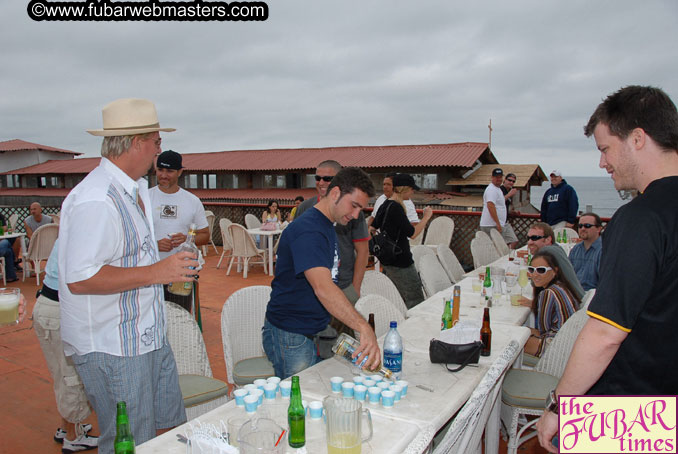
[(343, 425)]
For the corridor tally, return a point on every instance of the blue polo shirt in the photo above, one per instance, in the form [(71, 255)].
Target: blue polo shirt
[(586, 263), (308, 242)]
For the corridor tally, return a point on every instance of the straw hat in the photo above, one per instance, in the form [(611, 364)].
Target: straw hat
[(129, 116)]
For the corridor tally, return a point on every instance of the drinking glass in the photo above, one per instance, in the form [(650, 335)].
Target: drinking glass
[(522, 279), (9, 306)]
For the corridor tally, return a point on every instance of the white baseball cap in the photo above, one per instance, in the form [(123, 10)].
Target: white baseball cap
[(556, 173)]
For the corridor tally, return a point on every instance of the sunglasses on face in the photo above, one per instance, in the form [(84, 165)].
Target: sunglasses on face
[(536, 237), (510, 181), (538, 269), (587, 226), (326, 179)]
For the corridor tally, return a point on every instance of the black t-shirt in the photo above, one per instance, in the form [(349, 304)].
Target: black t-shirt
[(505, 191), (398, 228), (638, 293)]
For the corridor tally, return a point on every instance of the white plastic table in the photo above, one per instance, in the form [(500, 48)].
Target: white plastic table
[(269, 234)]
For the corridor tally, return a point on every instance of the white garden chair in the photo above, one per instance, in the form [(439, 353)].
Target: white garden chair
[(450, 263), (244, 249), (440, 231), (376, 283), (39, 249), (226, 240), (420, 251), (210, 224), (384, 312), (499, 242), (433, 276), (483, 250)]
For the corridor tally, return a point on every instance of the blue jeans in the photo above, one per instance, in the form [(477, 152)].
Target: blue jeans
[(289, 352), (7, 252)]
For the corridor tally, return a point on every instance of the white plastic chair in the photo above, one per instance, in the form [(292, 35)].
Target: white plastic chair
[(586, 300), (252, 222), (420, 251), (384, 312), (226, 241), (200, 390), (440, 231), (481, 409), (2, 267), (433, 276), (525, 390), (417, 241), (242, 318), (55, 218), (244, 249), (499, 243), (483, 251), (376, 283), (39, 249), (571, 233), (450, 263), (210, 224)]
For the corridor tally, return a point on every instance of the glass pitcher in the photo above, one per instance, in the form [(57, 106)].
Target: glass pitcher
[(343, 425), (261, 436)]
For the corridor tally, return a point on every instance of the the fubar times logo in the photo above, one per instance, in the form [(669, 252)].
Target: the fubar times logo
[(617, 424)]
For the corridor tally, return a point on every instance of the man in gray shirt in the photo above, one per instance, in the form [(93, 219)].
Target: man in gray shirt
[(352, 238), (36, 219)]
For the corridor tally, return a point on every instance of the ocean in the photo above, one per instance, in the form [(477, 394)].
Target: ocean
[(599, 192)]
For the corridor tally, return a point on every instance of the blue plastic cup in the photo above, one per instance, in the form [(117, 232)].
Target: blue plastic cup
[(387, 398), (251, 403), (403, 384), (315, 409), (336, 382), (347, 388), (270, 390), (374, 394), (259, 383), (285, 389), (260, 395), (239, 395), (368, 382), (398, 392), (359, 392)]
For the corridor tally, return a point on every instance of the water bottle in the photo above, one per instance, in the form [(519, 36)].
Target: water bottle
[(393, 351)]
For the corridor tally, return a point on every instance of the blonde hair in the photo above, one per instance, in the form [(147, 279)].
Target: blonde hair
[(114, 146), (398, 195)]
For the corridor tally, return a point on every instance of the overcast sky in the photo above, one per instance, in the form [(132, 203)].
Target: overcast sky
[(324, 73)]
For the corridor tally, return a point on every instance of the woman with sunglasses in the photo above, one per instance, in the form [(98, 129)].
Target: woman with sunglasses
[(392, 218), (553, 303)]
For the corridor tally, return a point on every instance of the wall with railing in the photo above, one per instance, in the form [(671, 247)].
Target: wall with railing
[(466, 223)]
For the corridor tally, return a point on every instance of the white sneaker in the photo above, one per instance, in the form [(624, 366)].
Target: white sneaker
[(61, 433), (83, 443)]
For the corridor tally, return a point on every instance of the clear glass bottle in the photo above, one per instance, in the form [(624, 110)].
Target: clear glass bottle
[(185, 288), (343, 350), (393, 351), (296, 416)]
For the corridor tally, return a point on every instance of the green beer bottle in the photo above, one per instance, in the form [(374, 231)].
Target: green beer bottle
[(296, 416), (564, 238), (559, 238), (124, 441), (446, 322), (487, 283)]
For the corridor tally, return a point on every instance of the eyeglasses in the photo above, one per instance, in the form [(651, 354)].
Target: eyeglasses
[(536, 237), (538, 269), (326, 179), (510, 181), (587, 226)]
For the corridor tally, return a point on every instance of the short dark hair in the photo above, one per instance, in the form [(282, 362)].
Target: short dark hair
[(299, 198), (509, 175), (648, 108), (559, 277), (331, 163), (350, 178), (594, 215), (390, 175)]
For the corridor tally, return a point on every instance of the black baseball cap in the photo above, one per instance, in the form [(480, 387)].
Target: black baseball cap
[(497, 172), (169, 160), (404, 179)]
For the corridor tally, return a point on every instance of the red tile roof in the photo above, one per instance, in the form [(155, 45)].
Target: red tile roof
[(441, 155), (17, 145)]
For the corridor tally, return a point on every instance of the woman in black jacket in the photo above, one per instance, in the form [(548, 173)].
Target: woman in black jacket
[(392, 219)]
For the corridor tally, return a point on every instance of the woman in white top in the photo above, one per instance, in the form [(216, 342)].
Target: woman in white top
[(272, 213)]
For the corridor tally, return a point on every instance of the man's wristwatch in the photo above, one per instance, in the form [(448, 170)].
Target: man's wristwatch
[(552, 402)]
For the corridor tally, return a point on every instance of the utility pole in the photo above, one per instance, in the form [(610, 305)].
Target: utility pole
[(489, 126)]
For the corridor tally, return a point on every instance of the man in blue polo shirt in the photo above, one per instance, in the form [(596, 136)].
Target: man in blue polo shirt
[(585, 256), (304, 291)]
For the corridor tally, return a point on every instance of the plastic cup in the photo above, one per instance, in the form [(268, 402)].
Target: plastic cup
[(285, 389), (397, 390), (251, 403), (275, 380), (239, 395), (403, 385), (250, 387), (315, 409), (374, 394), (347, 388), (259, 383), (383, 385), (376, 377), (260, 395), (387, 398), (359, 392), (336, 384), (368, 383), (270, 390), (358, 380)]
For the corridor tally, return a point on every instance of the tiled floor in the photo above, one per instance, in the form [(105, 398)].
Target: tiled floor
[(28, 413)]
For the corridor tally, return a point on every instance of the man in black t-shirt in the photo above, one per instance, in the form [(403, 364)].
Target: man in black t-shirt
[(629, 344), (509, 191)]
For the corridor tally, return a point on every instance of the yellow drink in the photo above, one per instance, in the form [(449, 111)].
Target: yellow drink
[(476, 286), (344, 443), (515, 299), (9, 307), (522, 278)]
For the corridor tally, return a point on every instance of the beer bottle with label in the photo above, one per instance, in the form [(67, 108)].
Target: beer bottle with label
[(564, 238), (456, 304), (124, 441), (185, 288), (486, 334), (296, 416), (559, 238), (446, 321), (370, 321)]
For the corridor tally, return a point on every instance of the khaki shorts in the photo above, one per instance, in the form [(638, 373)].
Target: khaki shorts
[(68, 388), (508, 234)]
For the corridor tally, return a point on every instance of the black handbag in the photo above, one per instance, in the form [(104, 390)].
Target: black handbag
[(382, 246), (464, 354)]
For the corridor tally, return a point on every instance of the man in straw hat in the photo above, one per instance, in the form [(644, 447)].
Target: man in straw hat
[(110, 281)]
